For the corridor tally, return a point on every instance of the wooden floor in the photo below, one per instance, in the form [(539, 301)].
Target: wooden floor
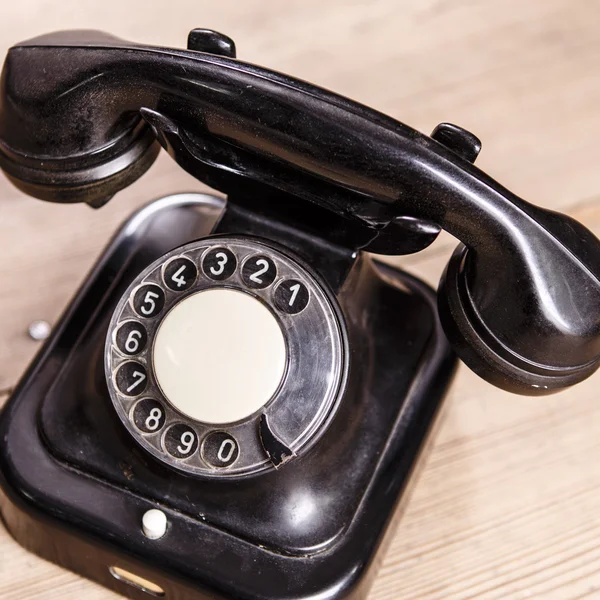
[(508, 505)]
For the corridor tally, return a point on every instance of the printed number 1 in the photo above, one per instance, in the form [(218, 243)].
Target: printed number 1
[(294, 289)]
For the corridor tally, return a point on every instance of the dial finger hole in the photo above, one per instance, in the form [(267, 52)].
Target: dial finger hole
[(148, 300), (149, 415), (181, 441), (180, 274), (131, 378), (220, 449), (219, 264), (291, 296), (131, 338), (259, 272)]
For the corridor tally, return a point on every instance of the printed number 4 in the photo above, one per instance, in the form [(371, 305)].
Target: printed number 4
[(178, 278)]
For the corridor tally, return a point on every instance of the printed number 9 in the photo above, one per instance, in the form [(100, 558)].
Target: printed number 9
[(187, 441)]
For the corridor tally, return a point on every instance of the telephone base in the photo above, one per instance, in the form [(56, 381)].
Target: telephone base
[(75, 486)]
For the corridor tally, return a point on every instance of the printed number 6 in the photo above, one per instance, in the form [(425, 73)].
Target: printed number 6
[(132, 343), (221, 262)]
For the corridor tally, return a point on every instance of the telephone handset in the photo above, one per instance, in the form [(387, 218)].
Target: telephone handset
[(244, 366)]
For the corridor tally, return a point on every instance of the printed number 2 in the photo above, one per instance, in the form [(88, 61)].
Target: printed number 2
[(221, 262), (265, 267), (139, 377), (294, 289), (149, 299)]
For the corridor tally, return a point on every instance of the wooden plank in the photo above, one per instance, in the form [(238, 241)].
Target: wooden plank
[(507, 504)]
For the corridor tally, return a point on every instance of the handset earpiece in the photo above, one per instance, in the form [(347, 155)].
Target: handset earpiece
[(522, 309), (80, 113)]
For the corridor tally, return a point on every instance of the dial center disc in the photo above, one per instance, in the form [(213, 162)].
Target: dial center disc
[(219, 356)]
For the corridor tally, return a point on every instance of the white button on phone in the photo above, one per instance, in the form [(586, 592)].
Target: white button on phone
[(219, 356)]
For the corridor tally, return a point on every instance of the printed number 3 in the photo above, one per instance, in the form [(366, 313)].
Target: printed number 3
[(187, 441), (149, 300), (221, 262)]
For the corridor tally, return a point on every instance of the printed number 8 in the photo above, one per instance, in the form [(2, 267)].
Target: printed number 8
[(153, 421)]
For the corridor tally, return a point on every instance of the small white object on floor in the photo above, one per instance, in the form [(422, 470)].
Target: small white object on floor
[(39, 330)]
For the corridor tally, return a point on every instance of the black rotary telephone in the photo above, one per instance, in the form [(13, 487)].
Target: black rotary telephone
[(234, 402)]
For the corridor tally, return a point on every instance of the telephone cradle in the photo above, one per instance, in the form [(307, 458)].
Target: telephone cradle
[(237, 400)]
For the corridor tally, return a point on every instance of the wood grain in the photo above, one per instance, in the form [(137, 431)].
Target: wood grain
[(507, 506)]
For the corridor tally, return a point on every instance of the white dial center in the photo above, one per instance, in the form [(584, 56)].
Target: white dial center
[(219, 356)]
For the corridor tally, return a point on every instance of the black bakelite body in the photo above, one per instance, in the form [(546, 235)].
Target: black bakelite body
[(76, 484)]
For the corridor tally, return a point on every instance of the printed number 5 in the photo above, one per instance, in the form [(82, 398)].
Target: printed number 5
[(149, 300), (221, 262)]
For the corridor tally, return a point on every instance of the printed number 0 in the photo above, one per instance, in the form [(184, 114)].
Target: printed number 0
[(222, 262), (131, 343), (187, 441), (221, 453), (153, 421), (148, 299), (265, 267)]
